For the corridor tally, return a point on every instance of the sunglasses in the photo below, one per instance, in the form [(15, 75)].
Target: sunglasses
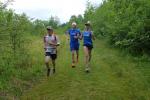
[(49, 29)]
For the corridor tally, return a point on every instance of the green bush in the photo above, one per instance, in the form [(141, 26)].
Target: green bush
[(126, 23)]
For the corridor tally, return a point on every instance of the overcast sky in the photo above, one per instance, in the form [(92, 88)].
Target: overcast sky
[(43, 9)]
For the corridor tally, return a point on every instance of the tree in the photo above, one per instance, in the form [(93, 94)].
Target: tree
[(124, 22)]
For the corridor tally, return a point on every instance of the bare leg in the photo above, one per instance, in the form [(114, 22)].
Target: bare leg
[(86, 53), (73, 58), (47, 65), (77, 57), (47, 59), (90, 55), (53, 62)]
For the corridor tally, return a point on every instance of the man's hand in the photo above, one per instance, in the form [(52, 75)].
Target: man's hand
[(76, 37)]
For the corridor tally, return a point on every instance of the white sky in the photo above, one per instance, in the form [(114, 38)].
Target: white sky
[(43, 9)]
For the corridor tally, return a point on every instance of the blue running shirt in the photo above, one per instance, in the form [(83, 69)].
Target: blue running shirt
[(72, 33), (87, 38)]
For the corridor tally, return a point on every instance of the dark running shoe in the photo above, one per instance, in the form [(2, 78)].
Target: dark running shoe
[(73, 65), (54, 71), (87, 71), (48, 72)]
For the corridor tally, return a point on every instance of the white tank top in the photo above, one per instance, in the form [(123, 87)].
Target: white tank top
[(48, 47)]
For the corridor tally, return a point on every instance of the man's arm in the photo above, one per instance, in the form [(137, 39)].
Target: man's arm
[(51, 43), (57, 43), (44, 41), (80, 36)]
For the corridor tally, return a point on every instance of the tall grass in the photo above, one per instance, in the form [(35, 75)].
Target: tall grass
[(21, 74), (114, 76)]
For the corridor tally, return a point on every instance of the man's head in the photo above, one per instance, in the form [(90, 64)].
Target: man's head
[(74, 25), (49, 30)]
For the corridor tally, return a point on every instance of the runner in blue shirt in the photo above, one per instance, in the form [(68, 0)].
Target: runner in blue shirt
[(74, 35), (88, 44)]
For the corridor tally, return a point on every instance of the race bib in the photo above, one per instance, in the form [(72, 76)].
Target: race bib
[(87, 34)]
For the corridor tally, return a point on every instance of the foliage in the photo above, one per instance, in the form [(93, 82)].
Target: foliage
[(124, 22), (17, 62)]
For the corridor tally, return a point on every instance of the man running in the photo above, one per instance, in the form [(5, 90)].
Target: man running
[(88, 44), (51, 42), (74, 35)]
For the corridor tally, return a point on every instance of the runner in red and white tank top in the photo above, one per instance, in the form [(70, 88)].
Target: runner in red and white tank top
[(51, 42)]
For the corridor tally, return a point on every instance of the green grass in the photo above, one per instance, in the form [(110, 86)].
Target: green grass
[(114, 76), (25, 73)]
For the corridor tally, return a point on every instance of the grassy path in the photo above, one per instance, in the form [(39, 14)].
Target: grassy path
[(114, 76)]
